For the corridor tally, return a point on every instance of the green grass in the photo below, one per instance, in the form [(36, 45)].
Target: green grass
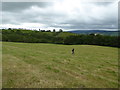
[(38, 65)]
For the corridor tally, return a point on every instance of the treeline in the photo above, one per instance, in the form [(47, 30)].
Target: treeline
[(29, 36)]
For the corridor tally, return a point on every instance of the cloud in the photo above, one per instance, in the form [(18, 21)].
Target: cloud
[(65, 14), (19, 6)]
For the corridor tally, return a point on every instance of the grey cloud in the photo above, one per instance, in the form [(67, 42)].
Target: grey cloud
[(102, 3), (43, 12), (19, 6)]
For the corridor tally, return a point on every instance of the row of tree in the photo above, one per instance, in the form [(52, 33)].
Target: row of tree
[(93, 40), (60, 30), (29, 36)]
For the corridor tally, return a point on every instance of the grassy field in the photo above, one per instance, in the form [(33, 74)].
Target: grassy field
[(37, 65)]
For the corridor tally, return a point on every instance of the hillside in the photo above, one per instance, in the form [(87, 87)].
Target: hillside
[(39, 65), (103, 32)]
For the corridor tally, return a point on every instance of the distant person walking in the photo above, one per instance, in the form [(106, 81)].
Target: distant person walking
[(73, 51)]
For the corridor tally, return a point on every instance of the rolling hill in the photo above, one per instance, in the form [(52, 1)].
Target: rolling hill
[(104, 32)]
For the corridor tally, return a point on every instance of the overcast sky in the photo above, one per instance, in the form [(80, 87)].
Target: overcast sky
[(60, 14)]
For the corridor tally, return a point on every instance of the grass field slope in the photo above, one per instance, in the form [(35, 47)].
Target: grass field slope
[(39, 65)]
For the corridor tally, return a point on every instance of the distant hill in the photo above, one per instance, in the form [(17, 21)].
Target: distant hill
[(104, 32)]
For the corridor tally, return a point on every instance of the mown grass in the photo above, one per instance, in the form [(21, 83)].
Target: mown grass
[(39, 65)]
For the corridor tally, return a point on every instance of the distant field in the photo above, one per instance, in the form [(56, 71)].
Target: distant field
[(39, 65)]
